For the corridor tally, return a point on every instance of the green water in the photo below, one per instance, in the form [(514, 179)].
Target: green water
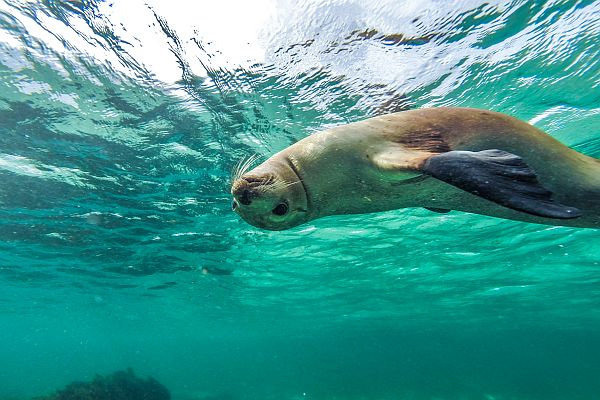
[(120, 124)]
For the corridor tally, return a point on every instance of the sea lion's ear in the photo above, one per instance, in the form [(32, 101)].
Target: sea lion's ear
[(501, 177)]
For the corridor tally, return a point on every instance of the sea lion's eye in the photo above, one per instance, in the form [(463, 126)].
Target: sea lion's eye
[(281, 209)]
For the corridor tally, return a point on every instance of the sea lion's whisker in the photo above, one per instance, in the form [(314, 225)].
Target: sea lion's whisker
[(249, 163), (236, 169), (287, 185), (275, 185), (243, 165), (269, 186), (238, 172)]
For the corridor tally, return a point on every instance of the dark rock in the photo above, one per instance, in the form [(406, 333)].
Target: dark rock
[(122, 385)]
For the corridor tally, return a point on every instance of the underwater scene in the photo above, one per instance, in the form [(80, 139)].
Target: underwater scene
[(126, 275)]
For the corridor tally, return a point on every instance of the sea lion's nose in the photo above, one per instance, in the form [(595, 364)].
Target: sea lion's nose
[(242, 194), (245, 189), (245, 197)]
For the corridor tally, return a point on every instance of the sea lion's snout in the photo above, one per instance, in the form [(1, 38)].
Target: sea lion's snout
[(243, 195), (245, 189)]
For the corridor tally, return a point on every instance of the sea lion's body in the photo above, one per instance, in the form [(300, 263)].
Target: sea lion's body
[(377, 165)]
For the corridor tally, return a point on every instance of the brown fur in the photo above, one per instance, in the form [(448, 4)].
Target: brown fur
[(428, 140)]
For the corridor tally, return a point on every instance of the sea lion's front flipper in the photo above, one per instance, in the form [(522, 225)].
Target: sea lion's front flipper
[(499, 176)]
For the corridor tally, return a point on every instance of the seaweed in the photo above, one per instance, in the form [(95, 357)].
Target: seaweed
[(121, 385)]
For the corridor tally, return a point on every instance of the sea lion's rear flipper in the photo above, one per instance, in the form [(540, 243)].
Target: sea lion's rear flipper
[(499, 176)]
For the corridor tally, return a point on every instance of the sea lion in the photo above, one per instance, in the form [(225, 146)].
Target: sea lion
[(442, 159)]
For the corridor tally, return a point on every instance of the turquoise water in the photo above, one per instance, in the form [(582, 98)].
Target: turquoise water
[(120, 124)]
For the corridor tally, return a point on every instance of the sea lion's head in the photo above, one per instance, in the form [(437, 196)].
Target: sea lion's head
[(271, 196)]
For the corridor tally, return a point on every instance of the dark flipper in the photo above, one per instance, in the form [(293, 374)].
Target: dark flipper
[(498, 176), (438, 210)]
